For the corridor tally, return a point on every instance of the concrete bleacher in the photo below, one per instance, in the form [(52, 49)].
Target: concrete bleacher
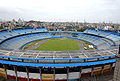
[(110, 35), (108, 41), (6, 34), (17, 42), (99, 32), (97, 41), (29, 35)]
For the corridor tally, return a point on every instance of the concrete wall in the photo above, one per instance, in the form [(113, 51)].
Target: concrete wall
[(116, 76)]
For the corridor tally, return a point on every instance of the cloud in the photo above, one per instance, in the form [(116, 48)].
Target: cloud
[(61, 10)]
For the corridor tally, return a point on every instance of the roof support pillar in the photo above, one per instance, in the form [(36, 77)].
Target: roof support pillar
[(92, 72), (102, 69), (80, 70), (5, 71), (111, 66), (15, 69), (54, 73), (27, 74), (40, 73), (67, 73)]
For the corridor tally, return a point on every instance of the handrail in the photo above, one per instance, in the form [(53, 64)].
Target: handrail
[(57, 59), (58, 65)]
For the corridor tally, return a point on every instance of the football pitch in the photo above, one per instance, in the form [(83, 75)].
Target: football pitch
[(59, 45)]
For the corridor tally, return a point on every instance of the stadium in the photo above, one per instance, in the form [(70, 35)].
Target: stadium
[(64, 64)]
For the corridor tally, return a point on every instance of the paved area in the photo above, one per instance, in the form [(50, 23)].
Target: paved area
[(81, 46)]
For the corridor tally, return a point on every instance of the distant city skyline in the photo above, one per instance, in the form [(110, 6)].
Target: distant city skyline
[(61, 10)]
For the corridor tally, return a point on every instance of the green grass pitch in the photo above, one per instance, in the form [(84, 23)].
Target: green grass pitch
[(59, 45)]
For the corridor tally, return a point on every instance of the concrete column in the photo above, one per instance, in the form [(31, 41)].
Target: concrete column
[(37, 61), (92, 72), (102, 69), (111, 66), (9, 59), (116, 76), (22, 60), (54, 73), (85, 60), (5, 71), (15, 69), (40, 73), (67, 73), (27, 74), (80, 73)]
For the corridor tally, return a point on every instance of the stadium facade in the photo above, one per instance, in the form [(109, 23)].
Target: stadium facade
[(32, 65)]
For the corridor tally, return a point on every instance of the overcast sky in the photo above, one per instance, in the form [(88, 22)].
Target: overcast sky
[(61, 10)]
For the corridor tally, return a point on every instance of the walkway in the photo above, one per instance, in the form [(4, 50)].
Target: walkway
[(81, 46)]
